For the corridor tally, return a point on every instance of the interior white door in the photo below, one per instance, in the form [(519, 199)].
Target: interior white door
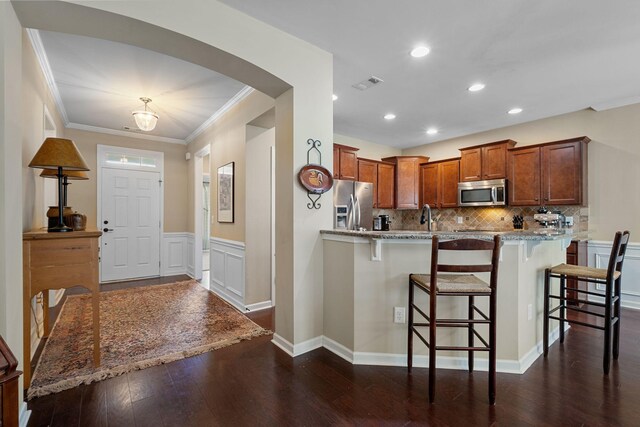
[(130, 221)]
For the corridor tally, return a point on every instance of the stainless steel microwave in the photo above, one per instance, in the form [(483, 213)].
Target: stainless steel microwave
[(483, 193)]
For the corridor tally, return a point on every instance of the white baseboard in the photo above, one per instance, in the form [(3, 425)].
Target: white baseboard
[(338, 349), (24, 414), (294, 350), (443, 362), (258, 306)]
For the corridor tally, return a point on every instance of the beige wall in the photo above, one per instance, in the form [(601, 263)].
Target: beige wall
[(368, 150), (258, 216), (227, 140), (614, 156), (82, 195), (11, 199), (35, 95)]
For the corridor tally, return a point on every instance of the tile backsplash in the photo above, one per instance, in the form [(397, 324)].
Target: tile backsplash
[(499, 218)]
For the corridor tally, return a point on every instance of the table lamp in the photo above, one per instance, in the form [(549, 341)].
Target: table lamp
[(60, 155), (67, 176)]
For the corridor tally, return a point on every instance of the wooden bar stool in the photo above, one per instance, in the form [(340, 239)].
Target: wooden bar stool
[(457, 285), (610, 277)]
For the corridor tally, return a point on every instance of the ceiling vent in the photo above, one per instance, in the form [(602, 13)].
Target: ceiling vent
[(366, 84)]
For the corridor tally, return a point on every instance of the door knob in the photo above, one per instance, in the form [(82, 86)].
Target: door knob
[(107, 229)]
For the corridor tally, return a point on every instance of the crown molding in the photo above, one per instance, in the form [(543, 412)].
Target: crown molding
[(246, 91), (43, 60), (125, 133)]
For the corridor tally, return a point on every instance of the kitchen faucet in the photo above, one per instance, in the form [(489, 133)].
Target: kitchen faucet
[(427, 220)]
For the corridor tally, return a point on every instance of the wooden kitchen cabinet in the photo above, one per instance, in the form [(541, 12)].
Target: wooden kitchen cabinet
[(523, 177), (345, 162), (386, 186), (407, 180), (576, 255), (483, 162), (439, 183), (381, 176), (563, 172), (554, 173)]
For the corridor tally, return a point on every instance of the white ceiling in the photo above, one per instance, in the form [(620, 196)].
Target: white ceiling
[(100, 82), (546, 56)]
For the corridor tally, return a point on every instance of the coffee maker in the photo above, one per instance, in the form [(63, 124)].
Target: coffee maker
[(384, 222)]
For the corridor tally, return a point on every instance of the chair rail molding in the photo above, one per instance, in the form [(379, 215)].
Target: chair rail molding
[(599, 252)]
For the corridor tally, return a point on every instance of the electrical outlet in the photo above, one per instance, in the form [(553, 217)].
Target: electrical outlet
[(529, 312), (569, 221), (459, 219), (399, 315)]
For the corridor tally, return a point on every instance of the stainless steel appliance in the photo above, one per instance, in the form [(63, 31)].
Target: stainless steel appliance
[(483, 193), (353, 204)]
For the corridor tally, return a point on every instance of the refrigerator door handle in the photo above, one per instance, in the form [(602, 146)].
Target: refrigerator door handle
[(352, 213), (357, 207)]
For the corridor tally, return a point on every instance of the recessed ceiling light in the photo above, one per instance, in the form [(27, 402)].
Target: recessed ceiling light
[(335, 97), (475, 87), (515, 111), (432, 131), (390, 116), (420, 51)]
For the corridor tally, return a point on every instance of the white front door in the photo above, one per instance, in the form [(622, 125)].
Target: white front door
[(130, 220)]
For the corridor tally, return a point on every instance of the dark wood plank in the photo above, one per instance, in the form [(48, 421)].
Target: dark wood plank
[(255, 383)]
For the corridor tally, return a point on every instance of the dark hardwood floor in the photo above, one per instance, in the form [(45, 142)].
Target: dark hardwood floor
[(255, 383)]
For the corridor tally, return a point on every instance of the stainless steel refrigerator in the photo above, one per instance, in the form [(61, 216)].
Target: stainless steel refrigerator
[(352, 205)]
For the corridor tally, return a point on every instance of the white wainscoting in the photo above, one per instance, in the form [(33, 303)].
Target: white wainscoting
[(174, 254), (226, 270), (191, 252), (599, 252)]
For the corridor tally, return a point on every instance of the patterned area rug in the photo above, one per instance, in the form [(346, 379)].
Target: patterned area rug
[(139, 328)]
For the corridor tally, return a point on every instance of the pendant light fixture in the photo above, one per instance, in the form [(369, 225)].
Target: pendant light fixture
[(145, 119)]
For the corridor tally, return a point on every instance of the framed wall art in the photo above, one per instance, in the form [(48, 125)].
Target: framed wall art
[(225, 192)]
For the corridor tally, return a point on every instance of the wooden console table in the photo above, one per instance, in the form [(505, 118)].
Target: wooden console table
[(59, 261)]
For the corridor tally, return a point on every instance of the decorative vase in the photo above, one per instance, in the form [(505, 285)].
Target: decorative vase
[(77, 221)]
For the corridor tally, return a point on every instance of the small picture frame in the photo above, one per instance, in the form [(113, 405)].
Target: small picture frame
[(226, 192)]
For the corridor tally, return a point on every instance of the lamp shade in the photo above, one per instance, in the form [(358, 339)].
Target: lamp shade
[(59, 152), (71, 175)]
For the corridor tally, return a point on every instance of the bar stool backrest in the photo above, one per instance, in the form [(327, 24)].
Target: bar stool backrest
[(619, 248), (466, 245)]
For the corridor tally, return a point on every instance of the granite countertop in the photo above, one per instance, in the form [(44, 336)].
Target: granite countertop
[(485, 235)]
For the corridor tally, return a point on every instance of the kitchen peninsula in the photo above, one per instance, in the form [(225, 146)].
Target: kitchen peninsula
[(366, 275)]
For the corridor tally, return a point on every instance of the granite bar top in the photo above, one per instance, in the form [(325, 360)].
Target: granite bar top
[(484, 235)]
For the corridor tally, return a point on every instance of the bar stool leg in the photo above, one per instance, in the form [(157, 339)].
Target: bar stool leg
[(616, 327), (432, 346), (492, 348), (545, 320), (470, 337), (606, 362), (563, 296), (410, 329)]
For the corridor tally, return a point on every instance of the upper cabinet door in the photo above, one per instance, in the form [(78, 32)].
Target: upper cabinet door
[(345, 162), (471, 164), (494, 161), (407, 183), (449, 178), (429, 185), (524, 177), (368, 172), (385, 189), (348, 165), (562, 173)]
